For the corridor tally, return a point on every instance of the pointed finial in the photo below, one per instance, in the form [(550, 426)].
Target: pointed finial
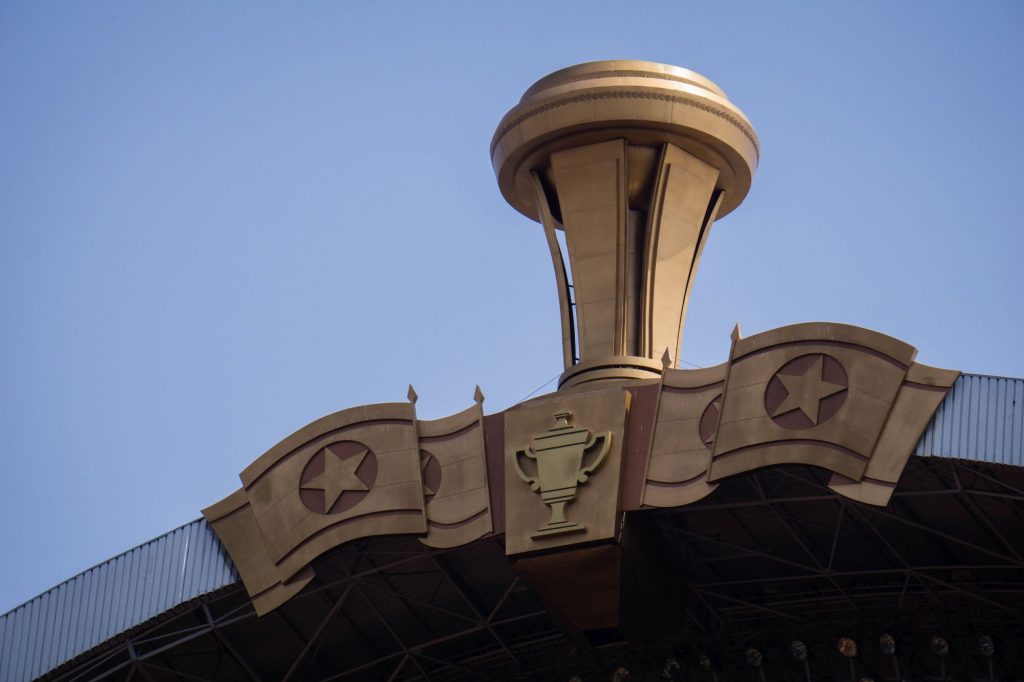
[(666, 359), (412, 395), (736, 333), (478, 395)]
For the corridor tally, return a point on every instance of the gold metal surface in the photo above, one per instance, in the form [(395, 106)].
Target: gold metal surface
[(585, 374), (565, 309), (580, 586), (558, 454), (683, 207), (455, 478), (235, 524), (687, 418), (591, 186), (589, 450), (815, 393), (833, 396), (923, 389), (838, 397), (635, 161), (352, 474), (645, 102)]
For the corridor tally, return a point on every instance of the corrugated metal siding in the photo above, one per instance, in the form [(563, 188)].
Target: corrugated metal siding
[(982, 418), (110, 598)]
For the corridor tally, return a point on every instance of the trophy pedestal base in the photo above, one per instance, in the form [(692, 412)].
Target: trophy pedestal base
[(608, 593), (558, 529)]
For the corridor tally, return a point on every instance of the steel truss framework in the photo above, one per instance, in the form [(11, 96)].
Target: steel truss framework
[(771, 557)]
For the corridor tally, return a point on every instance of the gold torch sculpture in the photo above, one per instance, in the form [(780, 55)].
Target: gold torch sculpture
[(634, 161)]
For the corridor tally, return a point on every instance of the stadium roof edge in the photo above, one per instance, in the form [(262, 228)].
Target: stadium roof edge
[(981, 419), (112, 597)]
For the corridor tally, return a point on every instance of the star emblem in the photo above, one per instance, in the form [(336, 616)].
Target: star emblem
[(708, 423), (806, 391), (338, 476), (426, 459)]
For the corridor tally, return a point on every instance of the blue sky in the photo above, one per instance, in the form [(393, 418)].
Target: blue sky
[(220, 221)]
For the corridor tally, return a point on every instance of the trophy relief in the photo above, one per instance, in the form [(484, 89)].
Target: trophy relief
[(559, 455)]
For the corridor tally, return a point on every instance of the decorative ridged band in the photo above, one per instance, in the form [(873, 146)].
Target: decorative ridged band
[(612, 367), (628, 94)]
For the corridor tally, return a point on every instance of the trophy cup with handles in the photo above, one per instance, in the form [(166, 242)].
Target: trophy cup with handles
[(558, 453)]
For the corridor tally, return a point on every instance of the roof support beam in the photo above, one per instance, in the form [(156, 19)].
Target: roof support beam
[(314, 641), (228, 646), (464, 594)]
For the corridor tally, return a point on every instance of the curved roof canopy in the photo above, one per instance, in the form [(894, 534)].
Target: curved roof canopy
[(451, 612)]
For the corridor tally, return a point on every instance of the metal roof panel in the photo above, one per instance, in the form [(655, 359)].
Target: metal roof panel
[(982, 419), (112, 597)]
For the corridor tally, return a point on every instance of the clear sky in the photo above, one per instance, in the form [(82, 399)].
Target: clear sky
[(222, 220)]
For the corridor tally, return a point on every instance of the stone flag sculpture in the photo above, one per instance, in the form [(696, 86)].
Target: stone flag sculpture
[(455, 477), (352, 474), (348, 475), (842, 398), (633, 163), (823, 394)]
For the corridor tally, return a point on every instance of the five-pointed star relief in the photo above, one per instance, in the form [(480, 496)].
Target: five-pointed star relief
[(806, 391), (425, 458), (338, 476), (717, 405)]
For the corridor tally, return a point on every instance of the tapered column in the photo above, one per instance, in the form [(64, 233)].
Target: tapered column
[(591, 186), (634, 161), (684, 204)]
